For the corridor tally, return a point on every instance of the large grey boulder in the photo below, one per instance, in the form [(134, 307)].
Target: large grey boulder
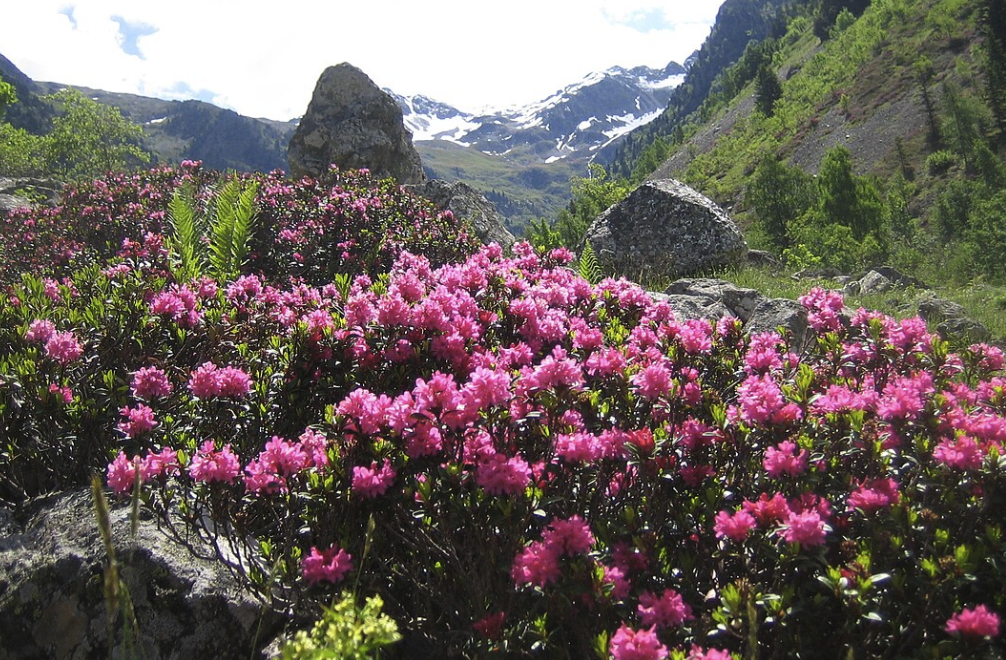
[(951, 321), (52, 599), (665, 229), (352, 123), (468, 204)]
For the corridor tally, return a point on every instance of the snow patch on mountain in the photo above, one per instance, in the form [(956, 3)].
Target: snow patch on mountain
[(574, 122)]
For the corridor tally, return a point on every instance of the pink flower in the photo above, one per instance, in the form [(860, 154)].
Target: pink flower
[(768, 510), (329, 565), (139, 420), (373, 481), (578, 447), (150, 383), (569, 537), (536, 565), (616, 581), (65, 394), (121, 474), (39, 331), (806, 528), (315, 446), (761, 402), (823, 308), (208, 381), (667, 611), (629, 644), (784, 459), (233, 382), (698, 653), (734, 527), (499, 475), (160, 464), (203, 383), (211, 466), (903, 397), (486, 388), (961, 453), (874, 495), (974, 623), (653, 381), (63, 347)]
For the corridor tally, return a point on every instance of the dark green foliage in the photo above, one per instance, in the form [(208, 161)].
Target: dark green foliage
[(591, 196), (992, 15), (829, 11), (768, 89), (847, 199), (779, 194)]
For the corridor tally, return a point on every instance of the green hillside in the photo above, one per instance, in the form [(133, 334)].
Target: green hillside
[(896, 103)]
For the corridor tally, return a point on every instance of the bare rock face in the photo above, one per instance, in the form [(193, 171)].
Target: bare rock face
[(665, 229), (52, 597), (352, 123), (469, 204)]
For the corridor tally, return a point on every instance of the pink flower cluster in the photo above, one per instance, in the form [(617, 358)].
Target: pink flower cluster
[(974, 623), (210, 465), (121, 472), (139, 420), (373, 481), (630, 644), (151, 383), (538, 564), (209, 380), (329, 565)]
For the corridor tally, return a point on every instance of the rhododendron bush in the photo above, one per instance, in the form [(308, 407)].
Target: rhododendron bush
[(518, 462)]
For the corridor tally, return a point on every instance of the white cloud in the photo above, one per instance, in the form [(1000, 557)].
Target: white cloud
[(263, 60)]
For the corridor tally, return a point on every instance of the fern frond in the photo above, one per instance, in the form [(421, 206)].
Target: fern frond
[(222, 229), (185, 244), (589, 268), (244, 227)]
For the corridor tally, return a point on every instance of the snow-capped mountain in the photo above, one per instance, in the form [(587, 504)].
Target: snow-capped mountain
[(574, 123)]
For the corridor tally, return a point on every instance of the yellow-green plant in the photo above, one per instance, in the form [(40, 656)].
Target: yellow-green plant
[(345, 632)]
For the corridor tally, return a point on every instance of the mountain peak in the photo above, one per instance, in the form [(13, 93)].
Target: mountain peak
[(574, 122)]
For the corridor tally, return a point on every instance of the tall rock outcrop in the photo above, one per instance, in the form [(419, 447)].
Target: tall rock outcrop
[(665, 229), (352, 123)]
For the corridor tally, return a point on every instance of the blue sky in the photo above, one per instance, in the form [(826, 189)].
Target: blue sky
[(263, 59)]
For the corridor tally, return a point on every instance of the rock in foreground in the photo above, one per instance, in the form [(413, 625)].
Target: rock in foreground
[(52, 601)]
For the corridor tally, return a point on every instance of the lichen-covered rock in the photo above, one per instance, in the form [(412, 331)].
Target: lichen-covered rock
[(665, 229), (352, 123), (772, 314), (951, 321), (740, 301), (13, 192), (52, 601), (469, 204)]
